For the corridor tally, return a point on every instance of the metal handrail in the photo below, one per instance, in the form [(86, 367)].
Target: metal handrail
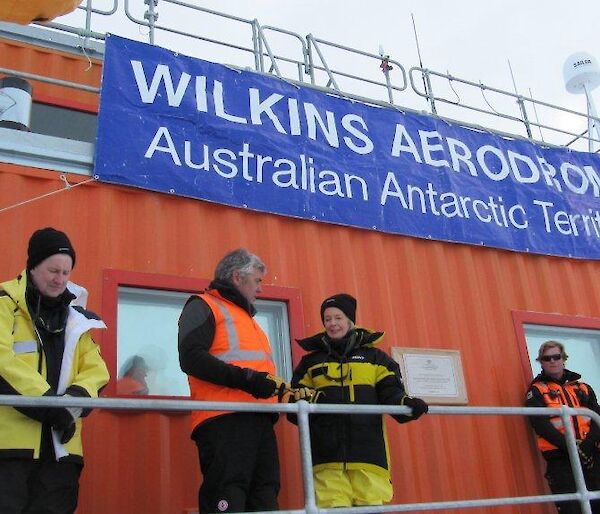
[(260, 43), (88, 7), (379, 58), (48, 80), (304, 66), (303, 409), (86, 31), (150, 22), (520, 100), (311, 61)]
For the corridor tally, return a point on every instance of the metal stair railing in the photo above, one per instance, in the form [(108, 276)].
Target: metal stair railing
[(303, 409)]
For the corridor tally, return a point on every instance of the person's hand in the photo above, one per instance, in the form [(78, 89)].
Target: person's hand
[(292, 395), (74, 411), (263, 385), (68, 433), (63, 422), (418, 406), (586, 450), (59, 418)]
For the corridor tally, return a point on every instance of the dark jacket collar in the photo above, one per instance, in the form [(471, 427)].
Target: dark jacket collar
[(320, 341), (228, 291), (48, 313), (568, 376)]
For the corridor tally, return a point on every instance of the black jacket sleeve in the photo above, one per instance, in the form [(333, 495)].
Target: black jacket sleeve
[(541, 424), (390, 388), (196, 334), (592, 403), (300, 378)]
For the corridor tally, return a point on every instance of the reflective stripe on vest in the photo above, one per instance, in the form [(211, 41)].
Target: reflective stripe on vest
[(239, 341), (234, 353), (555, 396)]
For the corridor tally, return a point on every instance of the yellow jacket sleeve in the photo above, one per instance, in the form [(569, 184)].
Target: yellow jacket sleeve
[(19, 353)]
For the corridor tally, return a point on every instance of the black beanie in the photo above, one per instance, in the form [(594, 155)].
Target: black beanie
[(46, 242), (344, 302)]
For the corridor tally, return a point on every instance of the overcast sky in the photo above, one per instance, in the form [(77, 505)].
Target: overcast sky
[(470, 39)]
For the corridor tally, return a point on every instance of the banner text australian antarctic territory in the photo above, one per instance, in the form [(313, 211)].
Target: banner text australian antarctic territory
[(185, 126)]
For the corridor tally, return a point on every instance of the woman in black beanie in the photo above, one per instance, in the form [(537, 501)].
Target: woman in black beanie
[(47, 350), (350, 452)]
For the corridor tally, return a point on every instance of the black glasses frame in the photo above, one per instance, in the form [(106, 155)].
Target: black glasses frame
[(553, 357)]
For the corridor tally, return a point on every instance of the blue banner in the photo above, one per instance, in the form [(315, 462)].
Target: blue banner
[(188, 127)]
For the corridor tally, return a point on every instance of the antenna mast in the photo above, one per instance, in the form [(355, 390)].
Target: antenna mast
[(425, 82)]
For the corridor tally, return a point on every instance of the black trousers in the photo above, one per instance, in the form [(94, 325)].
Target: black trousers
[(239, 463), (38, 487), (561, 480)]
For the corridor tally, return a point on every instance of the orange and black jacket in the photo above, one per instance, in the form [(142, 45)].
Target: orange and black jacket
[(545, 391), (206, 326)]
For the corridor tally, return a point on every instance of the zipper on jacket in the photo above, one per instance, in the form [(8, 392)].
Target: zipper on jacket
[(41, 352), (344, 425), (578, 434), (569, 402)]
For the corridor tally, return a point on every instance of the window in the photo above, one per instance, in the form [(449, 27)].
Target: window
[(582, 347), (272, 316), (580, 335), (53, 120), (143, 313), (147, 342)]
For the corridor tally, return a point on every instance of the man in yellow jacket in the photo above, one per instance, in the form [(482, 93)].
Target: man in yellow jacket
[(45, 350), (227, 358)]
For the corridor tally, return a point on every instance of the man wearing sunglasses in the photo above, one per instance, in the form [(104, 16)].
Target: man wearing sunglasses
[(45, 350), (553, 387)]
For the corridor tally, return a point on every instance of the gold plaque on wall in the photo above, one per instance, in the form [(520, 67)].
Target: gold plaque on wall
[(436, 376)]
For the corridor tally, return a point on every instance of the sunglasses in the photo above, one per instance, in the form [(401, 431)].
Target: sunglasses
[(554, 357)]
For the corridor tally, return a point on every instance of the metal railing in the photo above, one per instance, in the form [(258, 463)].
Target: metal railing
[(250, 44), (303, 409), (527, 106)]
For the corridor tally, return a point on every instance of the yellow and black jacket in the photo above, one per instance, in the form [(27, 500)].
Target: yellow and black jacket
[(23, 371), (545, 391), (350, 371)]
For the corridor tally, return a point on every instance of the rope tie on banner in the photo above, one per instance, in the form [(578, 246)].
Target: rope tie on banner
[(66, 187), (85, 54)]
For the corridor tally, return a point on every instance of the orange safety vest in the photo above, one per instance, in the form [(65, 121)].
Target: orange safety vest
[(238, 340), (555, 396)]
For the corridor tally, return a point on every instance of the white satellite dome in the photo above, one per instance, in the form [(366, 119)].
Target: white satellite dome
[(581, 71)]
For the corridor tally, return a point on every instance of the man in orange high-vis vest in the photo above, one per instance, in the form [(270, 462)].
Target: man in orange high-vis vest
[(554, 387), (227, 358)]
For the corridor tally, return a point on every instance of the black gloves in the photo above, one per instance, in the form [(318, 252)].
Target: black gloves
[(68, 433), (261, 384), (264, 385), (63, 421), (418, 406)]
